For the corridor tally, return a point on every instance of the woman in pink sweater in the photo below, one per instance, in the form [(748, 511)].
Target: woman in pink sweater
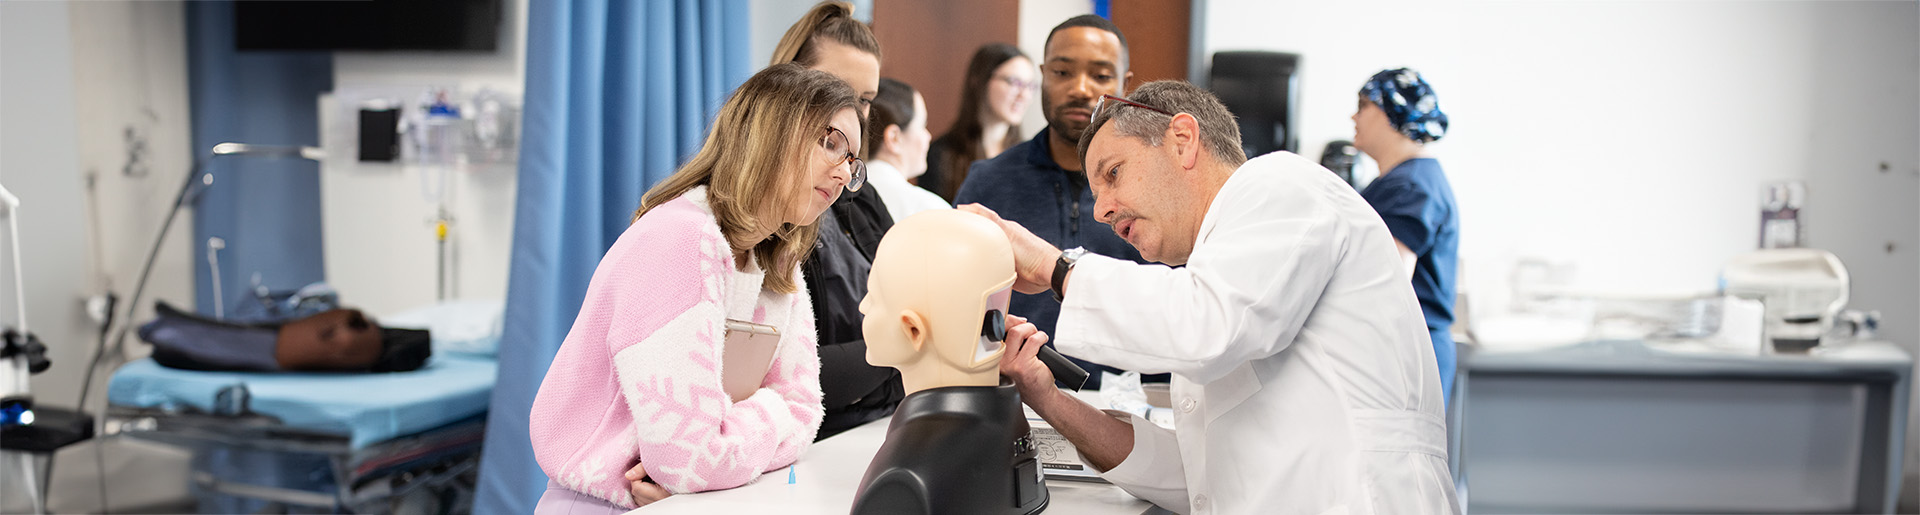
[(638, 377)]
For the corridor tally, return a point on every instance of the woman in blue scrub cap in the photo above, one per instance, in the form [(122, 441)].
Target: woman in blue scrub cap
[(1398, 115)]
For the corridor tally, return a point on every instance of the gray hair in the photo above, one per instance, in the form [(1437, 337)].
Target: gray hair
[(1218, 131)]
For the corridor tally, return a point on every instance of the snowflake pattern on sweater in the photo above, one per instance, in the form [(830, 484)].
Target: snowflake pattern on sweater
[(639, 375)]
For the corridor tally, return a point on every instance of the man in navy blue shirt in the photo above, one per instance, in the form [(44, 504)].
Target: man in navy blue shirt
[(1040, 183), (1398, 115)]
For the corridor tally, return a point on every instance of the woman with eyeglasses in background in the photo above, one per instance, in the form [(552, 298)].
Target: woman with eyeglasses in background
[(632, 408), (1000, 83)]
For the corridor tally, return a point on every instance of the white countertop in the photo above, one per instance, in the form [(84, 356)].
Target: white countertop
[(826, 477)]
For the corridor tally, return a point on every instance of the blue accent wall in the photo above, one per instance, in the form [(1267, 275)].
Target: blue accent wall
[(267, 209)]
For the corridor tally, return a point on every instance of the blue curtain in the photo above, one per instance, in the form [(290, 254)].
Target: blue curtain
[(266, 209), (618, 94)]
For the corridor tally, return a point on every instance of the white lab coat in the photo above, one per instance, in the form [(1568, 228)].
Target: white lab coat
[(1303, 378)]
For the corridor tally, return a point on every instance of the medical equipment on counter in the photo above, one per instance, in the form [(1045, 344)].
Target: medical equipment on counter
[(1803, 290)]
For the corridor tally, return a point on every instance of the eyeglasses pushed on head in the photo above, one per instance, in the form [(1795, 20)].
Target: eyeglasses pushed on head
[(1116, 101)]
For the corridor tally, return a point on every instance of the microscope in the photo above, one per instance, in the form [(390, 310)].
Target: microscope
[(936, 309)]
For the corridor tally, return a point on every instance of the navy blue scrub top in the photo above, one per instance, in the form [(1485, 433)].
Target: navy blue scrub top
[(1417, 203)]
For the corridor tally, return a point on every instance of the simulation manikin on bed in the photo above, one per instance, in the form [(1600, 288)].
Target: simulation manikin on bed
[(340, 340)]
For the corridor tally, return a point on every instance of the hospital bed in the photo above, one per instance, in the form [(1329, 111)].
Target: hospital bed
[(360, 443)]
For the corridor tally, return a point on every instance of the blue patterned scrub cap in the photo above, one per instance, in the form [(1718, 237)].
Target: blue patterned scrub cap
[(1409, 103)]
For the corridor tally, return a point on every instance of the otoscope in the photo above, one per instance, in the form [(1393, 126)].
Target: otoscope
[(1064, 371)]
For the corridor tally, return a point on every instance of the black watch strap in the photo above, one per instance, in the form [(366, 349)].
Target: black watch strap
[(1060, 268)]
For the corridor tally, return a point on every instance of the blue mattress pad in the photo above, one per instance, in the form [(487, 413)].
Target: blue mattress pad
[(366, 408)]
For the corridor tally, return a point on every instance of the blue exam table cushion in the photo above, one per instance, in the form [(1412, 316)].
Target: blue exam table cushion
[(367, 408)]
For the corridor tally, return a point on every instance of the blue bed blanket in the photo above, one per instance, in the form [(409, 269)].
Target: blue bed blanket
[(367, 408)]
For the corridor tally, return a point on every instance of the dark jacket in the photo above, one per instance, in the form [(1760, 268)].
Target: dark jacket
[(852, 391), (1025, 185)]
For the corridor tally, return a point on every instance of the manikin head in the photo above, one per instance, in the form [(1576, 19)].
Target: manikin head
[(939, 288)]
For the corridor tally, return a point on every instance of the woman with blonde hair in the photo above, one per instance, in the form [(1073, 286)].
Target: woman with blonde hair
[(638, 377)]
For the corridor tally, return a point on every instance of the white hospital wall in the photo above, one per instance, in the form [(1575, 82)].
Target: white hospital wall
[(75, 77), (39, 163), (130, 89), (380, 250), (78, 78), (1630, 139), (770, 19)]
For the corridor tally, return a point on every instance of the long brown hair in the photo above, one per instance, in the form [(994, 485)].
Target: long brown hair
[(962, 139), (831, 20), (753, 160)]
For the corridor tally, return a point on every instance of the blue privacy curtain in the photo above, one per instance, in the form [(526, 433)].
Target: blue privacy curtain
[(618, 94), (267, 210)]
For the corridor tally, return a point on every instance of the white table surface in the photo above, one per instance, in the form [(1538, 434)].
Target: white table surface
[(826, 477)]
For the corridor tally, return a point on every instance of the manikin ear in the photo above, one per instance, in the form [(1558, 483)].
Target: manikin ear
[(916, 329), (1184, 135)]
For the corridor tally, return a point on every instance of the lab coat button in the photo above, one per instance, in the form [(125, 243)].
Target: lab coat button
[(1199, 503), (1186, 405)]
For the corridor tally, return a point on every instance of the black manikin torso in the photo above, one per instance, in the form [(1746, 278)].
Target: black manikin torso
[(957, 449)]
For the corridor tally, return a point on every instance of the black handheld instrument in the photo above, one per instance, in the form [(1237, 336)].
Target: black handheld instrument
[(1063, 369), (994, 328)]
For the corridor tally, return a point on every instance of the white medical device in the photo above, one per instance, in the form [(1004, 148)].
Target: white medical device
[(1803, 291)]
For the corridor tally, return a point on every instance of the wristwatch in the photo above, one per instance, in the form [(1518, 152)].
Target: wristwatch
[(1060, 268)]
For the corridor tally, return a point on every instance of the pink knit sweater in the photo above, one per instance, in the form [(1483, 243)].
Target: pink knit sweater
[(638, 377)]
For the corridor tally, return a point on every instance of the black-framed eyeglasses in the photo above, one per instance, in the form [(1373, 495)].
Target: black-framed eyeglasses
[(840, 149), (1102, 105)]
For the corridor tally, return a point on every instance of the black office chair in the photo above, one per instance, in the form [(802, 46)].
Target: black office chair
[(1260, 88)]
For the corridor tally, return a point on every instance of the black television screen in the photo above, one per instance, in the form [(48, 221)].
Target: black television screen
[(367, 25)]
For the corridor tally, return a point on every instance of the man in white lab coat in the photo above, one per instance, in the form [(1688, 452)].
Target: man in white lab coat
[(1303, 381)]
